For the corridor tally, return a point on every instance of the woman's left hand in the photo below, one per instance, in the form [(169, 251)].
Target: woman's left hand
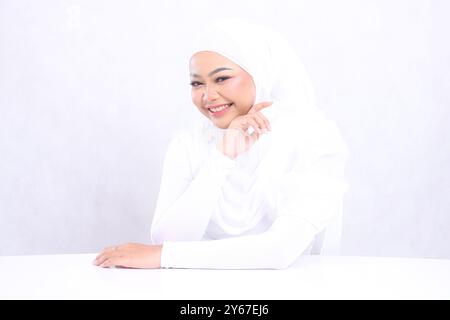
[(130, 255), (236, 139)]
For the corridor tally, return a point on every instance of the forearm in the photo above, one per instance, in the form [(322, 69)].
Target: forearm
[(276, 248)]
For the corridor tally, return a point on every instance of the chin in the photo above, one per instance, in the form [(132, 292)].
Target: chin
[(221, 125)]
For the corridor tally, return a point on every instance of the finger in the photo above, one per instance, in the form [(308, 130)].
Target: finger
[(251, 139), (254, 124), (260, 106), (101, 258), (254, 137), (100, 255), (105, 255), (266, 121), (116, 261), (261, 123), (106, 250), (108, 263)]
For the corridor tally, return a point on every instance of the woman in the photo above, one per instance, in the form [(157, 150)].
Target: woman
[(253, 187)]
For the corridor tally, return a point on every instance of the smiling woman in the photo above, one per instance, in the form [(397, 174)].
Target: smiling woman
[(264, 175), (223, 93)]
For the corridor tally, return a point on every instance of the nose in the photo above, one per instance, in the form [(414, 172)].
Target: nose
[(210, 94)]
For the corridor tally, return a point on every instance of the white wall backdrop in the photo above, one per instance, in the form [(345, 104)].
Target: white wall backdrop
[(92, 91)]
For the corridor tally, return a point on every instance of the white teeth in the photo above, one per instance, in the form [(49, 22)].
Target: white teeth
[(219, 108)]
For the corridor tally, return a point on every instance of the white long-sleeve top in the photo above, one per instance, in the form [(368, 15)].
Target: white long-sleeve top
[(260, 210)]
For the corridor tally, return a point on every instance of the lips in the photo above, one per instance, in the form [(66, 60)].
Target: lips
[(219, 109)]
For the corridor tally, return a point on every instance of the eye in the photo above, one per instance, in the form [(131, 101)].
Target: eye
[(195, 84), (222, 79)]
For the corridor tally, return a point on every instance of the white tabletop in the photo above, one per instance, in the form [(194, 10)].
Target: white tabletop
[(312, 277)]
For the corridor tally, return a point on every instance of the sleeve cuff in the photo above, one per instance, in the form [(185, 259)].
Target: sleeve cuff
[(165, 252)]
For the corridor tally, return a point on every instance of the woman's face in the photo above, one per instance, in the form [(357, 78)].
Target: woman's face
[(221, 89)]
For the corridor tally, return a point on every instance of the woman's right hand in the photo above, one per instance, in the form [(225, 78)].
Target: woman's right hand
[(236, 139)]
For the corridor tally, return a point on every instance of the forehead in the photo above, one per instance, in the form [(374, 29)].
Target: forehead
[(205, 61)]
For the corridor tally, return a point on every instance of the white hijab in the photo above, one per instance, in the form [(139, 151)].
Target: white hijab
[(280, 77), (277, 72)]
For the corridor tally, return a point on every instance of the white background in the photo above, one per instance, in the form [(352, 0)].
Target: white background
[(92, 91)]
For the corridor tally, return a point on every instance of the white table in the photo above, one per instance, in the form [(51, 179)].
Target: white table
[(312, 277)]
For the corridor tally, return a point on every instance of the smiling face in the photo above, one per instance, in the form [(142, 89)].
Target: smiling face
[(221, 89)]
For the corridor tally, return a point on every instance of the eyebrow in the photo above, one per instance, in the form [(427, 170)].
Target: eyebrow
[(212, 72)]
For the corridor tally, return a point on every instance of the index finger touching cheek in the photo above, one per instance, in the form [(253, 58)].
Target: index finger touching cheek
[(260, 106)]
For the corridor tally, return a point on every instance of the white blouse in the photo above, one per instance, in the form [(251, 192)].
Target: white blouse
[(260, 210)]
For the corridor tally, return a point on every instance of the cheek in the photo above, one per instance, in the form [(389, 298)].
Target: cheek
[(196, 97), (242, 92)]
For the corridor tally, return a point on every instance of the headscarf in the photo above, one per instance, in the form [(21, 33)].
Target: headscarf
[(277, 72), (280, 77)]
